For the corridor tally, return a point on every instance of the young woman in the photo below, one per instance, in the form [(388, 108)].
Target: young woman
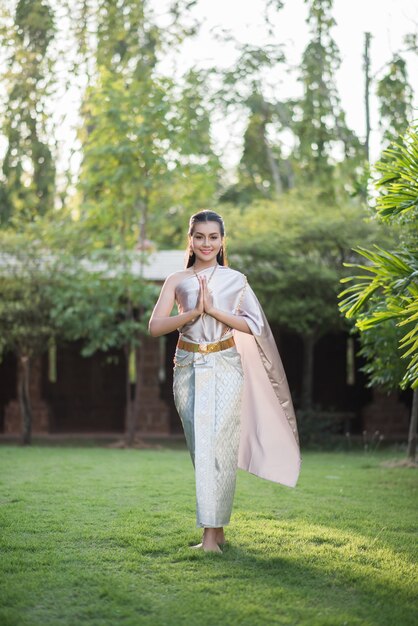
[(229, 386)]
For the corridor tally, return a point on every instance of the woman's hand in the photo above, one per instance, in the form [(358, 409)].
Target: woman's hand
[(207, 296), (228, 319), (199, 308)]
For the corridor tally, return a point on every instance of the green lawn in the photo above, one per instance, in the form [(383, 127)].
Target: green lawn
[(100, 536)]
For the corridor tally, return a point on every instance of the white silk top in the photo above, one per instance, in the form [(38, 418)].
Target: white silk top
[(269, 444)]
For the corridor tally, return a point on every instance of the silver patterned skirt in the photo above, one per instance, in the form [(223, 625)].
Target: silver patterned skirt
[(207, 394)]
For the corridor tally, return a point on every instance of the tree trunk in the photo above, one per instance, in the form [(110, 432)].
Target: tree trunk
[(412, 435), (129, 410), (140, 363), (307, 372), (142, 210), (366, 58), (24, 399), (273, 168)]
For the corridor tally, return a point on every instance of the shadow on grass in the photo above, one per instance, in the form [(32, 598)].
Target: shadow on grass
[(316, 590), (340, 577)]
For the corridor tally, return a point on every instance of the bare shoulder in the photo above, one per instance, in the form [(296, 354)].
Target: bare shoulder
[(176, 278)]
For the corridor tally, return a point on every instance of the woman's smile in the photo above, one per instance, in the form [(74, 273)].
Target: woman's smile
[(206, 241)]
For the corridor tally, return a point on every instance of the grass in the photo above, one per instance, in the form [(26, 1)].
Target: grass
[(100, 537)]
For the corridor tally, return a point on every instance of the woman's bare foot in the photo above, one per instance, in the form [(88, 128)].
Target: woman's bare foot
[(209, 541), (220, 536)]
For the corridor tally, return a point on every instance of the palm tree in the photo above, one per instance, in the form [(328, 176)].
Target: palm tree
[(387, 287)]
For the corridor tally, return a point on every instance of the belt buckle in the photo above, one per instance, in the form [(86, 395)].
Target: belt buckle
[(203, 348)]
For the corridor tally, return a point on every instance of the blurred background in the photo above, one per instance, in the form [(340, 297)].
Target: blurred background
[(121, 118)]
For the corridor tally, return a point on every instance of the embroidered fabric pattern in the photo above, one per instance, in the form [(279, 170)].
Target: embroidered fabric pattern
[(208, 400)]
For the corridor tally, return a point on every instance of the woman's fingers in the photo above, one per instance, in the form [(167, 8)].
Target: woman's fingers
[(204, 298), (207, 297), (200, 296)]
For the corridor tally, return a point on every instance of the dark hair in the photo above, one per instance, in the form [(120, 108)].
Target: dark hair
[(206, 216)]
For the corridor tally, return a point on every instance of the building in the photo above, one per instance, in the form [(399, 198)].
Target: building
[(75, 394)]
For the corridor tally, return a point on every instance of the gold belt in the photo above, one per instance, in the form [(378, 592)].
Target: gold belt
[(204, 348)]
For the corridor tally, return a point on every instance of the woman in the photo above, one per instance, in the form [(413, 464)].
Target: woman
[(230, 388)]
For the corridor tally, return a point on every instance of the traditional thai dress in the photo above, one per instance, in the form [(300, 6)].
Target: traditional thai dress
[(234, 404)]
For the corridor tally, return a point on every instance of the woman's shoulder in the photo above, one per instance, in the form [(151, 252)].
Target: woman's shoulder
[(176, 278)]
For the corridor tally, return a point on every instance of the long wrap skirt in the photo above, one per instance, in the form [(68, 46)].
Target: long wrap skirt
[(207, 394)]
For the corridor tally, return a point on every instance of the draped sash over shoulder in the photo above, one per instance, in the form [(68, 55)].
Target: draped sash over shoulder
[(269, 445)]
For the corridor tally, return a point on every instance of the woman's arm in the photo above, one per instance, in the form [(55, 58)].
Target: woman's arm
[(229, 319), (161, 322)]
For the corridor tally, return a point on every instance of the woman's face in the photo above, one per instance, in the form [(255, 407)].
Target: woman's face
[(206, 240)]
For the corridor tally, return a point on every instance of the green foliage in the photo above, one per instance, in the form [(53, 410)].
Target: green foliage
[(27, 179), (299, 142), (319, 429), (191, 179), (147, 152), (123, 155), (380, 349), (102, 301), (247, 75), (319, 121), (396, 96), (262, 171), (293, 251), (388, 290), (26, 321), (398, 182), (119, 26)]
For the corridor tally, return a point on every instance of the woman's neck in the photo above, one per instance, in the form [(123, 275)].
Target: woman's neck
[(201, 265)]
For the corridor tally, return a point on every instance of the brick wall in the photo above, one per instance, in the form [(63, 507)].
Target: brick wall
[(387, 415), (152, 412), (40, 409)]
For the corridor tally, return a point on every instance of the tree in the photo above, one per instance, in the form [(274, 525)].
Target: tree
[(145, 140), (299, 142), (147, 158), (319, 121), (263, 171), (389, 288), (27, 183), (102, 301), (50, 295), (395, 95), (146, 145), (366, 66), (380, 348), (293, 255), (26, 321)]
